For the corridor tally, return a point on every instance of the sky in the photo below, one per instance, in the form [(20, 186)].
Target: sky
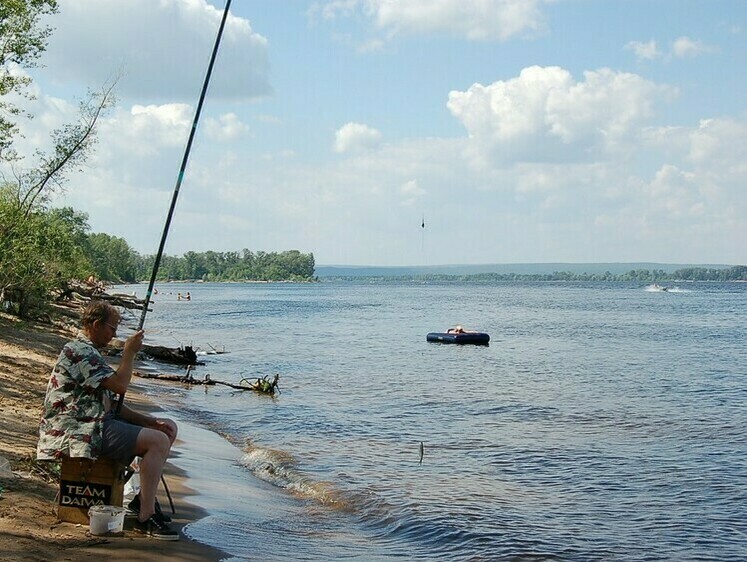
[(517, 131)]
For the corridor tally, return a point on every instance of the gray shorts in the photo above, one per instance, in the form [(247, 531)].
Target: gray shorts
[(119, 438)]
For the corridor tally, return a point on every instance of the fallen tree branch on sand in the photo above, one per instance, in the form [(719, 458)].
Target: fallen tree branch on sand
[(262, 385), (77, 293)]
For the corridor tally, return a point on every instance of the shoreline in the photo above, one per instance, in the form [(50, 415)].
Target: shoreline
[(28, 528)]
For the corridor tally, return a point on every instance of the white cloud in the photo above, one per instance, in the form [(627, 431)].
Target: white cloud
[(411, 192), (148, 129), (228, 127), (695, 198), (161, 49), (644, 51), (545, 115), (170, 114), (718, 142), (685, 47), (476, 20), (682, 47), (675, 192), (335, 8), (607, 105), (353, 137)]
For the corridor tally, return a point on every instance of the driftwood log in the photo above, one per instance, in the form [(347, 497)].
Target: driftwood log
[(76, 289), (262, 385), (78, 293), (125, 301), (175, 355)]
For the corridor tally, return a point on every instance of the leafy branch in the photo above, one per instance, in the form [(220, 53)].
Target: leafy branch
[(72, 144), (22, 41)]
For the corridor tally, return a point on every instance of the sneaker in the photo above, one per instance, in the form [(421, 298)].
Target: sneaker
[(156, 528), (134, 508)]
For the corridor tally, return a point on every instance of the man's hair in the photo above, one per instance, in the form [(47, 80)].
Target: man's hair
[(98, 310)]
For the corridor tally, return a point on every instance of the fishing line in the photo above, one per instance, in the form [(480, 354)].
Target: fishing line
[(180, 178)]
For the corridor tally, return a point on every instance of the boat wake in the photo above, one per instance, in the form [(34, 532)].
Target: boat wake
[(656, 288)]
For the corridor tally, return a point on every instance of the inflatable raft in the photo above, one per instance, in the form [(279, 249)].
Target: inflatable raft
[(474, 338)]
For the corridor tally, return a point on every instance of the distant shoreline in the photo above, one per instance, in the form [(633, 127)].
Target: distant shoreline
[(240, 281), (509, 268), (618, 273)]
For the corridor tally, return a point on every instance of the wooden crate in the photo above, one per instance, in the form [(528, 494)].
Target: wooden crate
[(86, 482)]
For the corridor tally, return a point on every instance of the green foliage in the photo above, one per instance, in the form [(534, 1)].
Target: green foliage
[(290, 265), (40, 249), (735, 273), (111, 258), (22, 41), (76, 222), (39, 252)]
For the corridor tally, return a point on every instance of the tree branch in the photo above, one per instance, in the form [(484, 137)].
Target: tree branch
[(71, 146)]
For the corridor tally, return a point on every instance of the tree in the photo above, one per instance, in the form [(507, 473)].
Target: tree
[(39, 249), (39, 252), (76, 221), (291, 265), (72, 146), (111, 258), (25, 206), (22, 41)]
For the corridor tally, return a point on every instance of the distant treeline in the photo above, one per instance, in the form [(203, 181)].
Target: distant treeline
[(735, 273), (291, 265), (42, 248)]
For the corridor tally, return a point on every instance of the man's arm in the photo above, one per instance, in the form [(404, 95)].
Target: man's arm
[(120, 380)]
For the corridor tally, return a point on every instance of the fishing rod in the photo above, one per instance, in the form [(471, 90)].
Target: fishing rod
[(180, 178)]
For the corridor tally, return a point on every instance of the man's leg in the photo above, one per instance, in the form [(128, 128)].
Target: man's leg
[(154, 447)]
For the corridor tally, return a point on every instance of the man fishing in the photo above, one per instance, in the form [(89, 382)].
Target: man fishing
[(78, 418)]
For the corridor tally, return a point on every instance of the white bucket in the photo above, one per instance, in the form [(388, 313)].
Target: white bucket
[(104, 519)]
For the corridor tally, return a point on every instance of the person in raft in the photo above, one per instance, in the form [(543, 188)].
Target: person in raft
[(78, 418), (460, 330)]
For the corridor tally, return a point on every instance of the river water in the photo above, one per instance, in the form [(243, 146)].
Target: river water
[(603, 422)]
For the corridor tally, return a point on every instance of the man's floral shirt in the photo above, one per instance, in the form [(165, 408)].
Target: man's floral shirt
[(72, 419)]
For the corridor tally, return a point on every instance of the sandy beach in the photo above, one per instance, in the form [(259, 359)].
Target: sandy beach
[(29, 530)]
